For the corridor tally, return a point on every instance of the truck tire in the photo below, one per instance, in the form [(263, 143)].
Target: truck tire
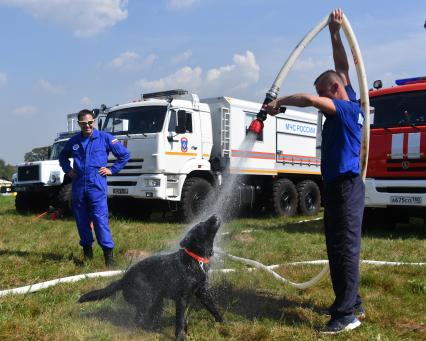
[(64, 199), (284, 198), (31, 202), (195, 195), (22, 202), (309, 197)]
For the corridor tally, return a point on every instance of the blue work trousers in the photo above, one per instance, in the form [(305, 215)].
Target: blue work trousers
[(91, 206), (343, 211)]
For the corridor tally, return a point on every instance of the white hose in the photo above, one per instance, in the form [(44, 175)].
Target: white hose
[(363, 89), (36, 287), (43, 285), (360, 70), (258, 265)]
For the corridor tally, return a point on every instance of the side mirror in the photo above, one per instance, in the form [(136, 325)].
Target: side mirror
[(372, 110), (95, 112), (181, 127)]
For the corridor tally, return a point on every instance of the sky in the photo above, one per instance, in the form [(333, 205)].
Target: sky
[(60, 56)]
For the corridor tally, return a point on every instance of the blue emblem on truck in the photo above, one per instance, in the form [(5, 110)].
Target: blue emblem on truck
[(184, 144)]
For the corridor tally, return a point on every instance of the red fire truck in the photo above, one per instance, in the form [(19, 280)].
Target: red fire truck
[(396, 174)]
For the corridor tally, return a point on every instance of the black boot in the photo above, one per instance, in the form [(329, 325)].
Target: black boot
[(88, 252), (109, 257)]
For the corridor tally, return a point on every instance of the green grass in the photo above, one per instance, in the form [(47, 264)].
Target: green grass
[(255, 306)]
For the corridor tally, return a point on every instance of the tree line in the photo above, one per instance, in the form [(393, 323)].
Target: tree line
[(36, 154), (6, 170)]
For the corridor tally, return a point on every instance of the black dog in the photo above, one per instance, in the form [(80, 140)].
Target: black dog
[(176, 276)]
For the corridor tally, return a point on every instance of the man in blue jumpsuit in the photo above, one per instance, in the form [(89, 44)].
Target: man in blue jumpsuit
[(89, 150), (343, 186)]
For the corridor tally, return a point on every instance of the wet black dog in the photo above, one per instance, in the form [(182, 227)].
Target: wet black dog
[(177, 276)]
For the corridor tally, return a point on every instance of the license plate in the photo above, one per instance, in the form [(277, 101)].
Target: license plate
[(120, 191), (405, 200)]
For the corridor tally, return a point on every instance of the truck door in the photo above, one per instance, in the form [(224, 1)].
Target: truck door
[(184, 139)]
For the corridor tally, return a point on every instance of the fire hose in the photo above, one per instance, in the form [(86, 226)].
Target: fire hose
[(257, 125), (71, 279)]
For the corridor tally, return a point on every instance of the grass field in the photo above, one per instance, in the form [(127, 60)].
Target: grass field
[(255, 306)]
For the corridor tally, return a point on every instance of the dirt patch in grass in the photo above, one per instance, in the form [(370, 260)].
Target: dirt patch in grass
[(245, 238), (412, 326)]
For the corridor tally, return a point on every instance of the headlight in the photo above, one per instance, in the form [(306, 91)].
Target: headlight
[(55, 177), (152, 182)]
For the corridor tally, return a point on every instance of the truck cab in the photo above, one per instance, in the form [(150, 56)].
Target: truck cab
[(39, 183), (168, 135), (396, 173)]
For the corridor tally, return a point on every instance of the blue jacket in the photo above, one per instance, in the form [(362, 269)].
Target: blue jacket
[(87, 162), (341, 139)]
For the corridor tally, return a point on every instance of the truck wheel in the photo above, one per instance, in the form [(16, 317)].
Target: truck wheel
[(31, 202), (309, 197), (22, 202), (64, 199), (195, 194), (284, 198)]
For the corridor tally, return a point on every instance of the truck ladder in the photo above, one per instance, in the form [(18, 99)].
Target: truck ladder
[(224, 131)]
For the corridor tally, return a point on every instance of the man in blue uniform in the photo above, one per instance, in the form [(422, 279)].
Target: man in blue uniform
[(343, 186), (89, 150)]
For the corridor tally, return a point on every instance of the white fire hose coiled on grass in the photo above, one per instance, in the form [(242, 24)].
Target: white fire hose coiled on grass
[(315, 279), (71, 279), (43, 285), (268, 269)]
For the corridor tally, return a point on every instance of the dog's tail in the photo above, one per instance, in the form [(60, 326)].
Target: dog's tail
[(101, 294)]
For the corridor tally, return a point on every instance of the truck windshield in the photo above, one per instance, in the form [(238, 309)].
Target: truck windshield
[(57, 149), (399, 109), (139, 120)]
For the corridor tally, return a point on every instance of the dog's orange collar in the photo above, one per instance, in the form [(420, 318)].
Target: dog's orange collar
[(196, 257)]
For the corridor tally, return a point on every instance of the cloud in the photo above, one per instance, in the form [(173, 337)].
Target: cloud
[(182, 57), (85, 18), (179, 4), (239, 75), (3, 79), (229, 79), (50, 88), (186, 77), (25, 110), (86, 101), (130, 60)]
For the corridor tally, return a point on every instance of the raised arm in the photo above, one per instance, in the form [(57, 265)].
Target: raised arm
[(340, 58), (323, 104)]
